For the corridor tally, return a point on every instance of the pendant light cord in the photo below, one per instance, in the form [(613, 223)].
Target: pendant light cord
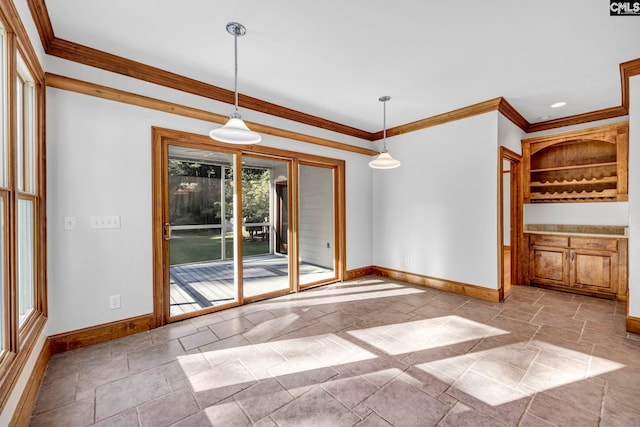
[(384, 100), (235, 83)]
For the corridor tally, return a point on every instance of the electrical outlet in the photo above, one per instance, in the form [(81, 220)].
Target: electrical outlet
[(114, 302)]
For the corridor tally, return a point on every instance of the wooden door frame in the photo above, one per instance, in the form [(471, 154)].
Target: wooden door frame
[(162, 138), (515, 216)]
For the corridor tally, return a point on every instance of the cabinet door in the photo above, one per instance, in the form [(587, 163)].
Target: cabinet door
[(595, 270), (549, 265)]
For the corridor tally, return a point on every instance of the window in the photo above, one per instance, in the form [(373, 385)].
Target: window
[(22, 238)]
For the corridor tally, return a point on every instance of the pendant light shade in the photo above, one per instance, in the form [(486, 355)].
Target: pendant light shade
[(235, 131), (384, 159)]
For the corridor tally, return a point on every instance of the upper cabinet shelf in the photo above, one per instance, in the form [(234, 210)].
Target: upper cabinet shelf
[(589, 165)]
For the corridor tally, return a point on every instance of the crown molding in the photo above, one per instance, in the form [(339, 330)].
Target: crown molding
[(104, 92), (607, 113), (85, 55)]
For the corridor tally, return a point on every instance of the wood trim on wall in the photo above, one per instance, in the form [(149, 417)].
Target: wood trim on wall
[(358, 272), (627, 70), (459, 114), (494, 295), (100, 333), (633, 324), (607, 113), (22, 413), (96, 58), (104, 92), (85, 55)]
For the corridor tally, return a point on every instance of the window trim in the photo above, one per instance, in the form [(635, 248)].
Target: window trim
[(20, 342)]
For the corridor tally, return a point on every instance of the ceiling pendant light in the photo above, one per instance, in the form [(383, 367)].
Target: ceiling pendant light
[(235, 131), (384, 159)]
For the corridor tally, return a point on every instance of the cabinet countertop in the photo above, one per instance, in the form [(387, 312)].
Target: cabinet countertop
[(606, 231)]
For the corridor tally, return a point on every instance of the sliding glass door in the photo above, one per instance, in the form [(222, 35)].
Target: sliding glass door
[(316, 232), (265, 269), (235, 224), (200, 230)]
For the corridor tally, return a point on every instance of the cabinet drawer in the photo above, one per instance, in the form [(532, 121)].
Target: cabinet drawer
[(548, 240), (594, 243)]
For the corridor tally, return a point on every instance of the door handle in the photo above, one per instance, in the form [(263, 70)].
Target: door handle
[(167, 231)]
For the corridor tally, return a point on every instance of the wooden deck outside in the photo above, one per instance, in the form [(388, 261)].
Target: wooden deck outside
[(207, 284)]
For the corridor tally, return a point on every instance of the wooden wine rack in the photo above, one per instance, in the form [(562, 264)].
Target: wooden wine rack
[(589, 165)]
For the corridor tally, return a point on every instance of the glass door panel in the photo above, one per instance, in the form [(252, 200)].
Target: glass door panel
[(201, 242), (265, 266), (316, 233)]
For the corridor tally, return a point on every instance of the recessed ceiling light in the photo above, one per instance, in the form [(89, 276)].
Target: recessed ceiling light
[(558, 104)]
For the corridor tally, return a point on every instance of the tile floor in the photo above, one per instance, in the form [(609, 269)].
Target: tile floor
[(370, 352)]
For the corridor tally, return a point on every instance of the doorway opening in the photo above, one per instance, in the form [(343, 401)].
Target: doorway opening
[(510, 220)]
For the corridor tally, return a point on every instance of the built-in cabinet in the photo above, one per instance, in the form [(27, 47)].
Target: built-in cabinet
[(589, 165), (579, 263)]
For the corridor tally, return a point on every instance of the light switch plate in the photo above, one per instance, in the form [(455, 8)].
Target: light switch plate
[(69, 222), (102, 222)]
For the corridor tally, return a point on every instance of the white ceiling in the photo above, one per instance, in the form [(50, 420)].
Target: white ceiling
[(335, 58)]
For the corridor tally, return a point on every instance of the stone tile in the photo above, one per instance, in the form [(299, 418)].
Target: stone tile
[(231, 327), (154, 356), (316, 408), (226, 350), (562, 333), (54, 394), (131, 343), (378, 371), (462, 415), (303, 354), (129, 392), (172, 331), (184, 367), (301, 374), (490, 397), (260, 359), (128, 418), (199, 339), (109, 372), (225, 413), (562, 413), (260, 317), (615, 415), (79, 413), (529, 420), (263, 398), (559, 321), (514, 326), (504, 373), (402, 404), (168, 409), (349, 390), (216, 384), (373, 420), (586, 394)]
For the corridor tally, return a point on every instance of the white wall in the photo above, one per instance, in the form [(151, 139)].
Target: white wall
[(597, 213), (438, 211), (634, 196), (316, 216), (99, 163)]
